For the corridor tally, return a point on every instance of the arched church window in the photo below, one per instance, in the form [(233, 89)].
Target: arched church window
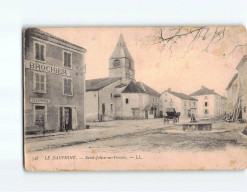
[(116, 63)]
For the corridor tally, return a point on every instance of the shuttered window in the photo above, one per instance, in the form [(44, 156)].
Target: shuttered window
[(67, 86), (67, 58), (39, 52), (39, 82)]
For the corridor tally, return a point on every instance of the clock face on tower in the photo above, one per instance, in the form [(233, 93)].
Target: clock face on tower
[(116, 63)]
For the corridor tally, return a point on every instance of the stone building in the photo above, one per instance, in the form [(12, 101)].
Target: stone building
[(232, 93), (100, 98), (242, 78), (237, 90), (182, 103), (210, 103), (119, 96), (53, 83)]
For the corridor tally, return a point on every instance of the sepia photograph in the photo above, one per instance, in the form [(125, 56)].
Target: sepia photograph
[(135, 98)]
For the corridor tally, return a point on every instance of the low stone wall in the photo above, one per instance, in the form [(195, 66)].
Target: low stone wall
[(194, 126)]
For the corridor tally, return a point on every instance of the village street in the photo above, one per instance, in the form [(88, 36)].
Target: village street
[(139, 135)]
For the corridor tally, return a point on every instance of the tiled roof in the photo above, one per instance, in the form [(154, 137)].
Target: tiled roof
[(121, 50), (182, 95), (49, 37), (241, 62), (97, 84), (121, 85), (233, 79), (133, 87), (139, 87), (148, 89), (203, 91)]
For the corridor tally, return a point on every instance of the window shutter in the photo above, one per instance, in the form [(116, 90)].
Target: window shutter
[(65, 59), (36, 51), (42, 53), (69, 86), (69, 60), (65, 86)]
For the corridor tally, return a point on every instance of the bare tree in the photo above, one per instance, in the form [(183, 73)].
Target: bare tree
[(187, 37)]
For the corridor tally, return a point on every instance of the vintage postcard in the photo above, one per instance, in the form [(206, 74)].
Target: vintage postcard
[(135, 98)]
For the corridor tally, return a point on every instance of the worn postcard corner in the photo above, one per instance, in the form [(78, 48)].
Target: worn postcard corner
[(135, 98)]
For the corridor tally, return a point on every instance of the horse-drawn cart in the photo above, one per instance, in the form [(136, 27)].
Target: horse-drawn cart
[(171, 114)]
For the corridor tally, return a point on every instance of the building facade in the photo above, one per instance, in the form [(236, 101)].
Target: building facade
[(237, 90), (119, 96), (210, 104), (54, 83), (100, 98), (242, 79), (232, 93), (138, 101), (182, 103)]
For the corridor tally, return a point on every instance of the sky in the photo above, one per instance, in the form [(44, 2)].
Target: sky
[(183, 71)]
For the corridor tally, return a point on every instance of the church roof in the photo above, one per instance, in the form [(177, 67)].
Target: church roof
[(204, 91), (139, 87), (97, 84), (121, 50), (148, 89)]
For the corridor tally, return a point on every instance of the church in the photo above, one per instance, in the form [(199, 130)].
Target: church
[(120, 96)]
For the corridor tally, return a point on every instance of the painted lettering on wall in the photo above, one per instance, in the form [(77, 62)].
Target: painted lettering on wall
[(39, 100), (47, 68)]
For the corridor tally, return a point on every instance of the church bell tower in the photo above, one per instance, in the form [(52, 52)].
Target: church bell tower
[(121, 63)]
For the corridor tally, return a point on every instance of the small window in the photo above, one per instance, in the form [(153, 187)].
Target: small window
[(206, 103), (39, 82), (39, 51), (116, 63), (206, 111), (111, 107), (67, 59), (126, 100), (111, 95), (67, 86)]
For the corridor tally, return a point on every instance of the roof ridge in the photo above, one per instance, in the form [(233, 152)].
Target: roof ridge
[(142, 86)]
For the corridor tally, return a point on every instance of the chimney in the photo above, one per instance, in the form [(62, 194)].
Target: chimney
[(169, 89)]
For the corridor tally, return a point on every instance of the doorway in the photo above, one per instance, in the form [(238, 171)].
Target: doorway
[(40, 117), (146, 114), (65, 115)]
